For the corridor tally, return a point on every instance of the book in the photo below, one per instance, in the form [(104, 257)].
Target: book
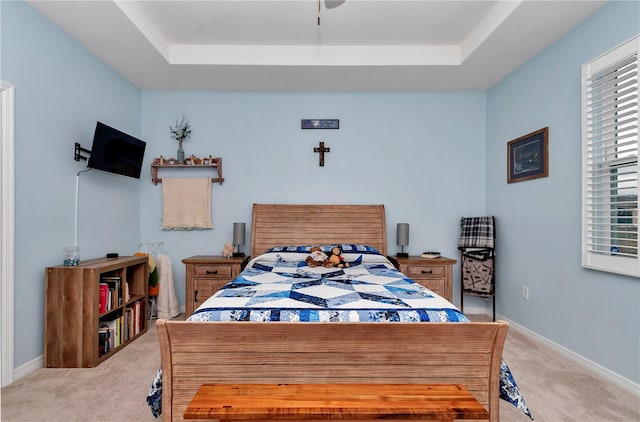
[(114, 288), (110, 325), (104, 344), (102, 304), (430, 254), (127, 295)]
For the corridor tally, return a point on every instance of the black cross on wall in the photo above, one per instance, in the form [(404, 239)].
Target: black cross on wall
[(321, 149)]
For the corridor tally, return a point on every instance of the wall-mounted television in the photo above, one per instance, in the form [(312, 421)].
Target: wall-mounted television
[(116, 152)]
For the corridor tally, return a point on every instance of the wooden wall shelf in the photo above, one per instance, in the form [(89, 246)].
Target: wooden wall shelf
[(214, 163)]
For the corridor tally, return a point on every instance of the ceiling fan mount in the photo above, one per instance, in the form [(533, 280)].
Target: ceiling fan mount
[(330, 4)]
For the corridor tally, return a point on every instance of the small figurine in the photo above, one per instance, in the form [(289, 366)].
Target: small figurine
[(316, 257), (336, 259), (227, 252)]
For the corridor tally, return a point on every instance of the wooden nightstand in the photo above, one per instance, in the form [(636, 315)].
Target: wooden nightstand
[(434, 274), (206, 274)]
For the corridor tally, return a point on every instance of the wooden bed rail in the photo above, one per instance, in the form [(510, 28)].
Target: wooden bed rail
[(196, 353)]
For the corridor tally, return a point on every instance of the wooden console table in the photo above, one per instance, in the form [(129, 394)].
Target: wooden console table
[(250, 402)]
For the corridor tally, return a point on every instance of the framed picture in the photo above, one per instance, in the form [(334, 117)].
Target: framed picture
[(528, 156), (320, 123)]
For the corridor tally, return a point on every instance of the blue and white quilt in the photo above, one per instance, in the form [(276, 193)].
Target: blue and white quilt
[(280, 286)]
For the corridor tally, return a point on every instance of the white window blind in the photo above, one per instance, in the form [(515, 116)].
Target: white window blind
[(610, 118)]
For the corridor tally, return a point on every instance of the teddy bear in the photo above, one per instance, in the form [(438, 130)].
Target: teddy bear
[(227, 252), (316, 257), (336, 259)]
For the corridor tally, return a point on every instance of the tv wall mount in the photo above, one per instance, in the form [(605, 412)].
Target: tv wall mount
[(77, 152)]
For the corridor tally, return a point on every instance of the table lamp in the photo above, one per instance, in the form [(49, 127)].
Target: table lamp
[(238, 238), (403, 239)]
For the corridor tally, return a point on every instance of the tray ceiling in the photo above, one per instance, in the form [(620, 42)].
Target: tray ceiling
[(278, 44)]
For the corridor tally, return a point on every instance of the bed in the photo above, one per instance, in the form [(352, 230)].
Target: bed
[(361, 347)]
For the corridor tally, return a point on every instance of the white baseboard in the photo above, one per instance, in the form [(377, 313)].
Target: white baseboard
[(597, 369), (28, 367)]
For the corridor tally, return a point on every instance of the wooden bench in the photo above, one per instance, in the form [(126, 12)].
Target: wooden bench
[(250, 402)]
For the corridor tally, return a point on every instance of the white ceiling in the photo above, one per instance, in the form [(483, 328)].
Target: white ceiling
[(278, 44)]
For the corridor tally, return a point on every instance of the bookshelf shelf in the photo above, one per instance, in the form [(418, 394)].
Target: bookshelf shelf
[(80, 316)]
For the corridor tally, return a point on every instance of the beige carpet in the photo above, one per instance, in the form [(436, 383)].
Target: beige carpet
[(556, 388)]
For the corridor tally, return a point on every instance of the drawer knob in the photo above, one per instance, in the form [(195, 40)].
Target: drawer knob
[(212, 271), (427, 271), (195, 295)]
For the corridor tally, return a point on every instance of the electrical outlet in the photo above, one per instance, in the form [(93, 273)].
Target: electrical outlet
[(525, 292)]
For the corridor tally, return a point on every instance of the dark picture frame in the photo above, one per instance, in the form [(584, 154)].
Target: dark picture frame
[(320, 124), (528, 156)]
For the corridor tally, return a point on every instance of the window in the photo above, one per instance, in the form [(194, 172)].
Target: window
[(610, 119)]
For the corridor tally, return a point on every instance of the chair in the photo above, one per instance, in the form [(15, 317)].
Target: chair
[(477, 250)]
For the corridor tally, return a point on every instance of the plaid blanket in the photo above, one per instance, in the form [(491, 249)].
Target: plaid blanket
[(477, 232)]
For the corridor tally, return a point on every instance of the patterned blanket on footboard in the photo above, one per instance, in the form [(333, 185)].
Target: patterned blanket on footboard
[(281, 286)]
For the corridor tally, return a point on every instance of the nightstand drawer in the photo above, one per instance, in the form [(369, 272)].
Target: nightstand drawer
[(434, 274), (212, 271), (425, 271), (204, 287), (437, 286)]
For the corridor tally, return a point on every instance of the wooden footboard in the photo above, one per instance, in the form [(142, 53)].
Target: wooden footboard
[(194, 353)]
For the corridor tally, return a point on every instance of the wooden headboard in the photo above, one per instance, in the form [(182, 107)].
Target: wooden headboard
[(287, 224)]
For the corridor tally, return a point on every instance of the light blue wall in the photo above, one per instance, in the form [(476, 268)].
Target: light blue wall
[(60, 92), (593, 313), (420, 154)]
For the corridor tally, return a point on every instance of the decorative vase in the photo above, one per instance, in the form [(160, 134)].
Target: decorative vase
[(180, 152)]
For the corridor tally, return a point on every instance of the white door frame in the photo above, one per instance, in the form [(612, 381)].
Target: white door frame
[(7, 225)]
